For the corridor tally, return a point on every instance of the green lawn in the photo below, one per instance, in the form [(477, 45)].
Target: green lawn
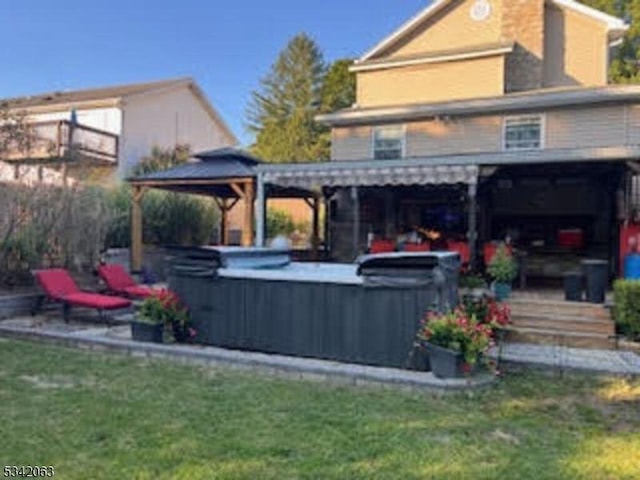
[(102, 417)]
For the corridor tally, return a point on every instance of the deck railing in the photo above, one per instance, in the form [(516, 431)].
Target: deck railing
[(62, 139)]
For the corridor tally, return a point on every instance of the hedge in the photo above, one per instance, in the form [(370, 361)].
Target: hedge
[(626, 312)]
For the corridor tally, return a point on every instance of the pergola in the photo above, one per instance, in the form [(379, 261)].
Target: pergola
[(228, 175)]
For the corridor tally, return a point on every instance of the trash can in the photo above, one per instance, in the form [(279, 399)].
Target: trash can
[(573, 286), (596, 272)]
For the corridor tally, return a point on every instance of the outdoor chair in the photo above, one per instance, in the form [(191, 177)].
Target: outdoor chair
[(119, 282), (382, 246), (60, 287), (461, 248), (417, 247)]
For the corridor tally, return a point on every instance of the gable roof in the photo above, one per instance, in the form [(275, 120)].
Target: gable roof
[(614, 24), (90, 94), (110, 96)]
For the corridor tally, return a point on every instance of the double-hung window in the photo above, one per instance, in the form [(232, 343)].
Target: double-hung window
[(523, 133), (388, 142)]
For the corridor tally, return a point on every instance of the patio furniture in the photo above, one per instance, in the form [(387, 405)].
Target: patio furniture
[(417, 247), (118, 281), (60, 287), (461, 248), (382, 246)]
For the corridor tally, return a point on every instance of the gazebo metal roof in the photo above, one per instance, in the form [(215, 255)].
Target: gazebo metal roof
[(213, 173)]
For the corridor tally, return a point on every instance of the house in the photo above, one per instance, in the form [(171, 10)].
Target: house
[(113, 127), (482, 119)]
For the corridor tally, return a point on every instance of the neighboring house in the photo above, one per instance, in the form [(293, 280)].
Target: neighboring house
[(482, 119), (116, 126)]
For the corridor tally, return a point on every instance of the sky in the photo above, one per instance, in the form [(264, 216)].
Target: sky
[(226, 46)]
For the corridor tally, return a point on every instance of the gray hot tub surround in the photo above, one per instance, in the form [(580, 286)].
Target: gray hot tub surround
[(367, 312)]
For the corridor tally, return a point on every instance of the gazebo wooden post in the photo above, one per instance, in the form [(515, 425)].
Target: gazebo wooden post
[(136, 228), (261, 210), (314, 204), (224, 221), (248, 224)]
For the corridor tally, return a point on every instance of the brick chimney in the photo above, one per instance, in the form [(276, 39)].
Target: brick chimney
[(523, 23)]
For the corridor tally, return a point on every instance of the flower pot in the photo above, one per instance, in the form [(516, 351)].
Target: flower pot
[(447, 363), (501, 290), (147, 332)]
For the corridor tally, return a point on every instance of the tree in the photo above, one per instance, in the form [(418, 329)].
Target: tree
[(338, 87), (162, 159), (338, 92), (625, 64), (281, 114)]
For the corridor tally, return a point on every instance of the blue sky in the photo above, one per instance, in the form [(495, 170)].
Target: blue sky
[(227, 46)]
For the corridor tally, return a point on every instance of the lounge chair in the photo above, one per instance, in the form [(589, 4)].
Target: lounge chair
[(382, 246), (60, 287), (118, 281), (417, 247)]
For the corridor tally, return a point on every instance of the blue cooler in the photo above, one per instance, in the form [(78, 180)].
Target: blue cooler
[(632, 266)]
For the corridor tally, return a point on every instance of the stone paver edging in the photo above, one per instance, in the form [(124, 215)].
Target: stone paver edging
[(276, 365)]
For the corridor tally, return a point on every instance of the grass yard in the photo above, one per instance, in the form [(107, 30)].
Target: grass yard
[(102, 417)]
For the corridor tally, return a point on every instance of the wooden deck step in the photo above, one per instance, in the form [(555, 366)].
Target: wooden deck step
[(553, 307), (567, 339), (554, 321), (566, 323)]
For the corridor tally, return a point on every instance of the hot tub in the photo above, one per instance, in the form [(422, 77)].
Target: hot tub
[(366, 312)]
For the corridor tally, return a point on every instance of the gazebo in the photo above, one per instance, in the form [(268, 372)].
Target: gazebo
[(229, 176)]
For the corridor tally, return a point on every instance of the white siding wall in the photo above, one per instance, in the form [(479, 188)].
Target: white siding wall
[(108, 119), (166, 119)]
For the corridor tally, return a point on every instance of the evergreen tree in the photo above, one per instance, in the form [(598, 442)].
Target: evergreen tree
[(339, 87), (281, 113), (625, 62)]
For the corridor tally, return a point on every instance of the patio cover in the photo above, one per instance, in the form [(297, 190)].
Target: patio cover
[(367, 173), (354, 174)]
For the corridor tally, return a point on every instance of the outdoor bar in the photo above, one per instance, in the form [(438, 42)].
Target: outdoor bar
[(258, 299)]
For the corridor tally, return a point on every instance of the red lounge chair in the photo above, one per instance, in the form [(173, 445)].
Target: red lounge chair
[(382, 246), (120, 282), (60, 287), (417, 247), (461, 248)]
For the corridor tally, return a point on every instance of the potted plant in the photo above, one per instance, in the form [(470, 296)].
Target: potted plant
[(455, 342), (166, 313), (148, 325), (487, 311), (503, 269)]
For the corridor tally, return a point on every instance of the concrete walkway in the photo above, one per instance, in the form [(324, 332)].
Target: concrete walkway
[(615, 362)]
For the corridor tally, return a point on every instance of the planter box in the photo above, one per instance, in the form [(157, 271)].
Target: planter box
[(447, 363), (147, 332)]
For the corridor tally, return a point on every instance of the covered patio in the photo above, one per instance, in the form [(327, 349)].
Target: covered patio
[(354, 179), (227, 175)]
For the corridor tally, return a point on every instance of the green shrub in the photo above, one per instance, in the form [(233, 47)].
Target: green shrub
[(502, 267), (279, 222), (168, 219), (626, 310)]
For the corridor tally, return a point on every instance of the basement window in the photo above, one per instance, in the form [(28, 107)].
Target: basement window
[(388, 142), (523, 133)]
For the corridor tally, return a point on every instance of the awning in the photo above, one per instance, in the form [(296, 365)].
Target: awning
[(346, 174)]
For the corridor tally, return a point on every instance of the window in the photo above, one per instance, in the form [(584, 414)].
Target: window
[(523, 133), (388, 143)]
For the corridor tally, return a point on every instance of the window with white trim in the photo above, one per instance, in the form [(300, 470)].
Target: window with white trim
[(388, 142), (523, 133)]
